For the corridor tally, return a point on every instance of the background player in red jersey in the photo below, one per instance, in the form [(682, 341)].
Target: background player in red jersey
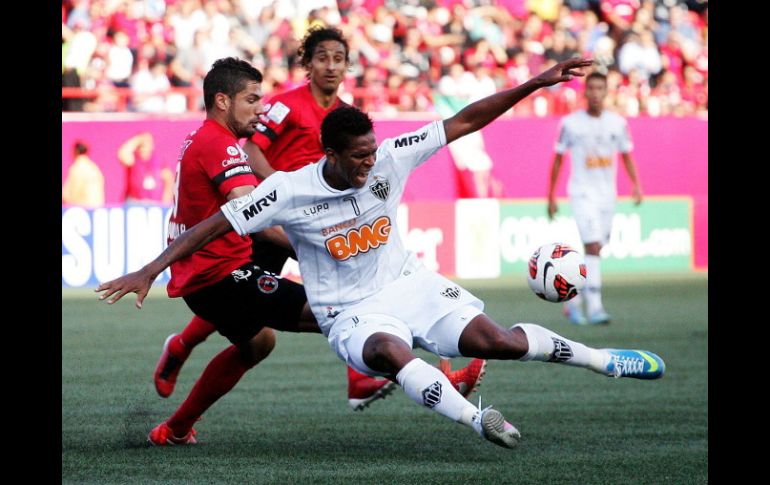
[(288, 137)]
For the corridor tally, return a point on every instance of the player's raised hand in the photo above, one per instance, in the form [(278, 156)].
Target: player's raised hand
[(138, 282), (563, 71)]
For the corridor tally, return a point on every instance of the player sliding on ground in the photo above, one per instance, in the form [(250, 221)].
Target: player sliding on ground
[(373, 299)]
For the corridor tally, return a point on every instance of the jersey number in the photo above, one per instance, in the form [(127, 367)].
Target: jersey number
[(353, 202)]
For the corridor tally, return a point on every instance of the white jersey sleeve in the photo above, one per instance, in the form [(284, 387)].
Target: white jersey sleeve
[(263, 207), (410, 150)]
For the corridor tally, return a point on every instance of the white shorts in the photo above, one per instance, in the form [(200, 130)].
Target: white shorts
[(424, 309), (593, 219)]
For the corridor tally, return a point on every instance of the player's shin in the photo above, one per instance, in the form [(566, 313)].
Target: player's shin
[(429, 387), (547, 346)]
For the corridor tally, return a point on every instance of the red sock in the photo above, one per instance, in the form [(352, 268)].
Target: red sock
[(194, 333), (354, 375), (221, 375)]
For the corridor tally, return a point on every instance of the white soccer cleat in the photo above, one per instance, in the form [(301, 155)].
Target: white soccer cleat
[(492, 426)]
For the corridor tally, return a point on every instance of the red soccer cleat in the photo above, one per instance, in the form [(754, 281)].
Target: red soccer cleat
[(363, 390), (167, 369), (467, 379), (161, 435)]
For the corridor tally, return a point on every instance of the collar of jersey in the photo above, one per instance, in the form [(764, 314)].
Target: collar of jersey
[(220, 127), (320, 174)]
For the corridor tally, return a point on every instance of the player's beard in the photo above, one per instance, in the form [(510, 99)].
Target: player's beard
[(330, 89), (242, 130)]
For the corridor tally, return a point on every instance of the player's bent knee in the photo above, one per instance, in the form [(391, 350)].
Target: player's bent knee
[(261, 345), (386, 353)]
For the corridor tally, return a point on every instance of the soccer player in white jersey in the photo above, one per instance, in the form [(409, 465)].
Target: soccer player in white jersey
[(373, 299), (593, 137)]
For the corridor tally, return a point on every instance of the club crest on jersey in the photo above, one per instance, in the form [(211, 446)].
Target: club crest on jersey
[(267, 283), (240, 275), (452, 292), (380, 188)]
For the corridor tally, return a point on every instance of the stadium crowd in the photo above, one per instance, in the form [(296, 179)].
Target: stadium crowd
[(407, 55)]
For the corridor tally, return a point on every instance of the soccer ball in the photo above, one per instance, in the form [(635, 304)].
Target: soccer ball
[(556, 272)]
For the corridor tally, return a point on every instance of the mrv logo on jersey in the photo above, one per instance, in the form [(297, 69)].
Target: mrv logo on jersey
[(408, 140), (260, 204)]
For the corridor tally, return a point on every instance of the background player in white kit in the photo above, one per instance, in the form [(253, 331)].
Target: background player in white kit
[(339, 215), (593, 137)]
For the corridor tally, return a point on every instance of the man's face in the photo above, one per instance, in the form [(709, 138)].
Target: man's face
[(351, 167), (244, 109), (596, 91), (328, 66)]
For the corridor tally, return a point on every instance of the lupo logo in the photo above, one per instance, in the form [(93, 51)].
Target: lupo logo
[(359, 240)]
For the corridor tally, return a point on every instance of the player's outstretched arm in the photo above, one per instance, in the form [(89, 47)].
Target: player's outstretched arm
[(188, 242), (479, 114)]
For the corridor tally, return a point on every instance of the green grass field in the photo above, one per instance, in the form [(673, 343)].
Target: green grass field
[(287, 421)]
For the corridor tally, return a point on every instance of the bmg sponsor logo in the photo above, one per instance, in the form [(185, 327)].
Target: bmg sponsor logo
[(359, 240)]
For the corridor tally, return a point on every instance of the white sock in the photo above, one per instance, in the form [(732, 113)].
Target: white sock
[(547, 346), (575, 303), (593, 284), (429, 387)]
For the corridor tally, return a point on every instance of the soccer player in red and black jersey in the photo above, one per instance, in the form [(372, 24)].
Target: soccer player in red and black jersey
[(220, 282), (288, 137)]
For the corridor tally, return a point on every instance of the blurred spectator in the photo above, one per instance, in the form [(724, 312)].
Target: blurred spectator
[(187, 18), (640, 53), (148, 180), (619, 14), (189, 66), (120, 60), (84, 185), (149, 85), (561, 46)]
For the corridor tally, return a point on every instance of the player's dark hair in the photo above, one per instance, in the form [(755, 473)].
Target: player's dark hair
[(228, 76), (343, 123), (315, 36), (80, 147), (596, 75)]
